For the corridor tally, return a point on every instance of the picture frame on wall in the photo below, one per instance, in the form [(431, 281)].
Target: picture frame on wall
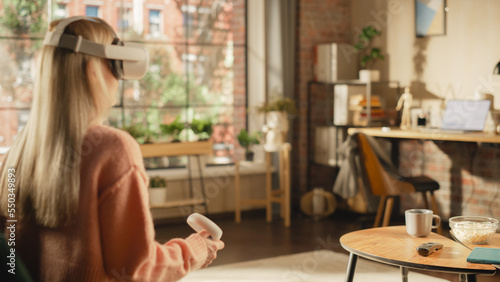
[(430, 17)]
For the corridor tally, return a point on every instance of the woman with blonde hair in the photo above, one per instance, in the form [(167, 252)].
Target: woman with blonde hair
[(75, 190)]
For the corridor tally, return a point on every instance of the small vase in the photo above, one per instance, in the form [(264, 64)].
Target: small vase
[(157, 195), (369, 75), (275, 130)]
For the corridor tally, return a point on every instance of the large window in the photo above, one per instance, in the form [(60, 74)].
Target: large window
[(197, 66)]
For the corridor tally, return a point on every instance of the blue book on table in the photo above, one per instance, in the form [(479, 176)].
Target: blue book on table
[(484, 255)]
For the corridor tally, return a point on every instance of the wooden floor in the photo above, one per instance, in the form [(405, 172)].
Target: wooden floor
[(253, 238)]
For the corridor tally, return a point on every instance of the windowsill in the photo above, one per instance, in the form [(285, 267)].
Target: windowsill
[(246, 168)]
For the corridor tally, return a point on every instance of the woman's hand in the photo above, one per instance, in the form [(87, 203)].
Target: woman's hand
[(212, 247)]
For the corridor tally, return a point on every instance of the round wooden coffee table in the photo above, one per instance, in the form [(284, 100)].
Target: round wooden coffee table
[(392, 245)]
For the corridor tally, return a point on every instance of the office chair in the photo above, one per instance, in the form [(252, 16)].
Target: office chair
[(388, 184)]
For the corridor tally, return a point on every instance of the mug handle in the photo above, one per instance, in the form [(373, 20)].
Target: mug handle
[(438, 221)]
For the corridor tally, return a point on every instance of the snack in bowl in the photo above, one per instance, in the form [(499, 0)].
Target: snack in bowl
[(473, 229)]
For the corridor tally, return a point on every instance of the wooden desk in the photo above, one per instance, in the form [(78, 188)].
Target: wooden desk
[(397, 133), (392, 245), (394, 134)]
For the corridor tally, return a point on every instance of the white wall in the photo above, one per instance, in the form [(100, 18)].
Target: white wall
[(449, 66)]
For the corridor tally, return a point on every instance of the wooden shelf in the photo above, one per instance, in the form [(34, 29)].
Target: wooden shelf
[(180, 149), (176, 149), (180, 203)]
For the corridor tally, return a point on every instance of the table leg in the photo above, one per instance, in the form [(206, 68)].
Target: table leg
[(467, 277), (404, 273), (395, 152), (351, 267)]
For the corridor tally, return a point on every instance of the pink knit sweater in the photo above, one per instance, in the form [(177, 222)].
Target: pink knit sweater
[(112, 236)]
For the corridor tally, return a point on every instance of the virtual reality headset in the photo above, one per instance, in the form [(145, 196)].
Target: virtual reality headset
[(127, 60)]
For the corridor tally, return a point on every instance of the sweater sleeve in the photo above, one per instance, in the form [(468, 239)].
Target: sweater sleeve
[(127, 236)]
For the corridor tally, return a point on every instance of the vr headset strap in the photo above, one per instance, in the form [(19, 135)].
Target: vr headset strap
[(57, 38), (78, 44)]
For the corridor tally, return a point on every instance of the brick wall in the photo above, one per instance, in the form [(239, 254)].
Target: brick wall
[(468, 175), (318, 21)]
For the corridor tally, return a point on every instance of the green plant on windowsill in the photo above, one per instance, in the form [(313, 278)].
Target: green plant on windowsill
[(173, 129), (369, 54), (247, 141), (202, 128), (140, 133)]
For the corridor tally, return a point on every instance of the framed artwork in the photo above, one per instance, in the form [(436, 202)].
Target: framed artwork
[(430, 17)]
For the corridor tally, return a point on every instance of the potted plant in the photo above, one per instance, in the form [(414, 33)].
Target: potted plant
[(369, 54), (281, 104), (276, 128), (277, 112), (202, 128), (141, 134), (173, 129), (158, 190), (247, 141)]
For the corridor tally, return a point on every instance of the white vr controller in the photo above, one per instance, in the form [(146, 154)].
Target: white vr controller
[(200, 222)]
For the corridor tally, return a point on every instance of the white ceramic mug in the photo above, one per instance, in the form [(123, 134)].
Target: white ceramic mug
[(419, 222)]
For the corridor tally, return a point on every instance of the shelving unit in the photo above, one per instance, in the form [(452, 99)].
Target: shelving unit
[(320, 112), (196, 149)]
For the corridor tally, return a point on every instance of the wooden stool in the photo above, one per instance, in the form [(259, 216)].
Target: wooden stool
[(280, 195)]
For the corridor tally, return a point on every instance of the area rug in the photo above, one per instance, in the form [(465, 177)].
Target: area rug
[(316, 266)]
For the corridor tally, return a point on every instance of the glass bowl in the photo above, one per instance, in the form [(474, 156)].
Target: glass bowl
[(473, 229)]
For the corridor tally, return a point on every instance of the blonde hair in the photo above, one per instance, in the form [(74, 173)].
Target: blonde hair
[(46, 155)]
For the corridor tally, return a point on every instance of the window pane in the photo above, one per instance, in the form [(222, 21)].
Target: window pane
[(167, 19), (17, 71), (238, 22), (92, 11), (154, 23), (60, 11), (209, 21), (13, 121), (23, 18), (209, 71), (239, 75), (163, 85), (125, 19)]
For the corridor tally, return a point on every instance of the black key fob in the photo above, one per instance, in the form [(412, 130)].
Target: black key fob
[(428, 248)]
